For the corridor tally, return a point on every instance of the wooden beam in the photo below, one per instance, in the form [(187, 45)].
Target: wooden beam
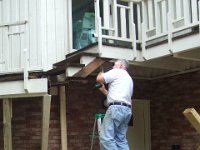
[(87, 70), (17, 87), (7, 124), (63, 121), (45, 121), (193, 118)]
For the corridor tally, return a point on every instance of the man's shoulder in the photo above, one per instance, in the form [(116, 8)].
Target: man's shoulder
[(116, 72)]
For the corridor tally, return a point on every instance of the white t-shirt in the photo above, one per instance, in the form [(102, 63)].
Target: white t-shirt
[(120, 86)]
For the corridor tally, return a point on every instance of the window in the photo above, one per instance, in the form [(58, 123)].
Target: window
[(83, 23)]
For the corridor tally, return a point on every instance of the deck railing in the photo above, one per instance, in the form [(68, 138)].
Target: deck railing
[(140, 21), (114, 21), (158, 15)]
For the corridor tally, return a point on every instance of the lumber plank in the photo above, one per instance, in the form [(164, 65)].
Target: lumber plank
[(193, 117), (7, 124), (63, 121), (45, 121), (92, 66)]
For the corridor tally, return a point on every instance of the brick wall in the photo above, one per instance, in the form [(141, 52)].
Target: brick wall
[(169, 98), (26, 124), (83, 102)]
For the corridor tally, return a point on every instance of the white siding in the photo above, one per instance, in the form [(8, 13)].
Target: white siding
[(33, 34), (44, 36), (53, 31), (60, 28), (1, 41)]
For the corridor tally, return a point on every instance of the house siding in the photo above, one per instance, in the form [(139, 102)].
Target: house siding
[(44, 34)]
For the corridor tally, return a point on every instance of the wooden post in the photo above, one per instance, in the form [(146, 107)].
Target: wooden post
[(198, 148), (45, 121), (193, 118), (7, 124), (63, 121)]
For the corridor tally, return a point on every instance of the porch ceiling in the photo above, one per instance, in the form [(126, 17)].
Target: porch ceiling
[(174, 64)]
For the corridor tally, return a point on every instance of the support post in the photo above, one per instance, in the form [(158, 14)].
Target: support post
[(63, 121), (7, 111), (46, 104)]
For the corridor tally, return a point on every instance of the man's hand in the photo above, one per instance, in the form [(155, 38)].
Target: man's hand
[(100, 79)]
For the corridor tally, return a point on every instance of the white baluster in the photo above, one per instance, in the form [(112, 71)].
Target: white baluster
[(194, 11), (157, 16), (164, 16), (187, 12), (98, 26), (150, 19), (178, 9), (106, 14), (139, 22), (115, 18), (145, 19), (132, 30), (123, 22), (150, 14)]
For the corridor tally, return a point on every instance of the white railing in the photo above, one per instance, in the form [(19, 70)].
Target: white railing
[(114, 21), (184, 14), (152, 19)]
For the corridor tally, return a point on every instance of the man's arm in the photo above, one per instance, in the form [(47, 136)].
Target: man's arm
[(101, 80)]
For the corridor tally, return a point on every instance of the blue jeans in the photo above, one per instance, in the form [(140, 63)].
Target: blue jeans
[(114, 128)]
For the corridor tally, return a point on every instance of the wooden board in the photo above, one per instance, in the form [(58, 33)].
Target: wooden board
[(193, 117), (97, 62)]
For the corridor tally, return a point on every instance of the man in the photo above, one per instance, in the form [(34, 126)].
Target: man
[(119, 93)]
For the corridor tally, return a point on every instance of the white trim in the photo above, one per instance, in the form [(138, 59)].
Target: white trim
[(117, 38), (107, 28), (16, 23), (19, 70), (14, 33), (25, 56), (16, 88), (123, 6), (23, 95)]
